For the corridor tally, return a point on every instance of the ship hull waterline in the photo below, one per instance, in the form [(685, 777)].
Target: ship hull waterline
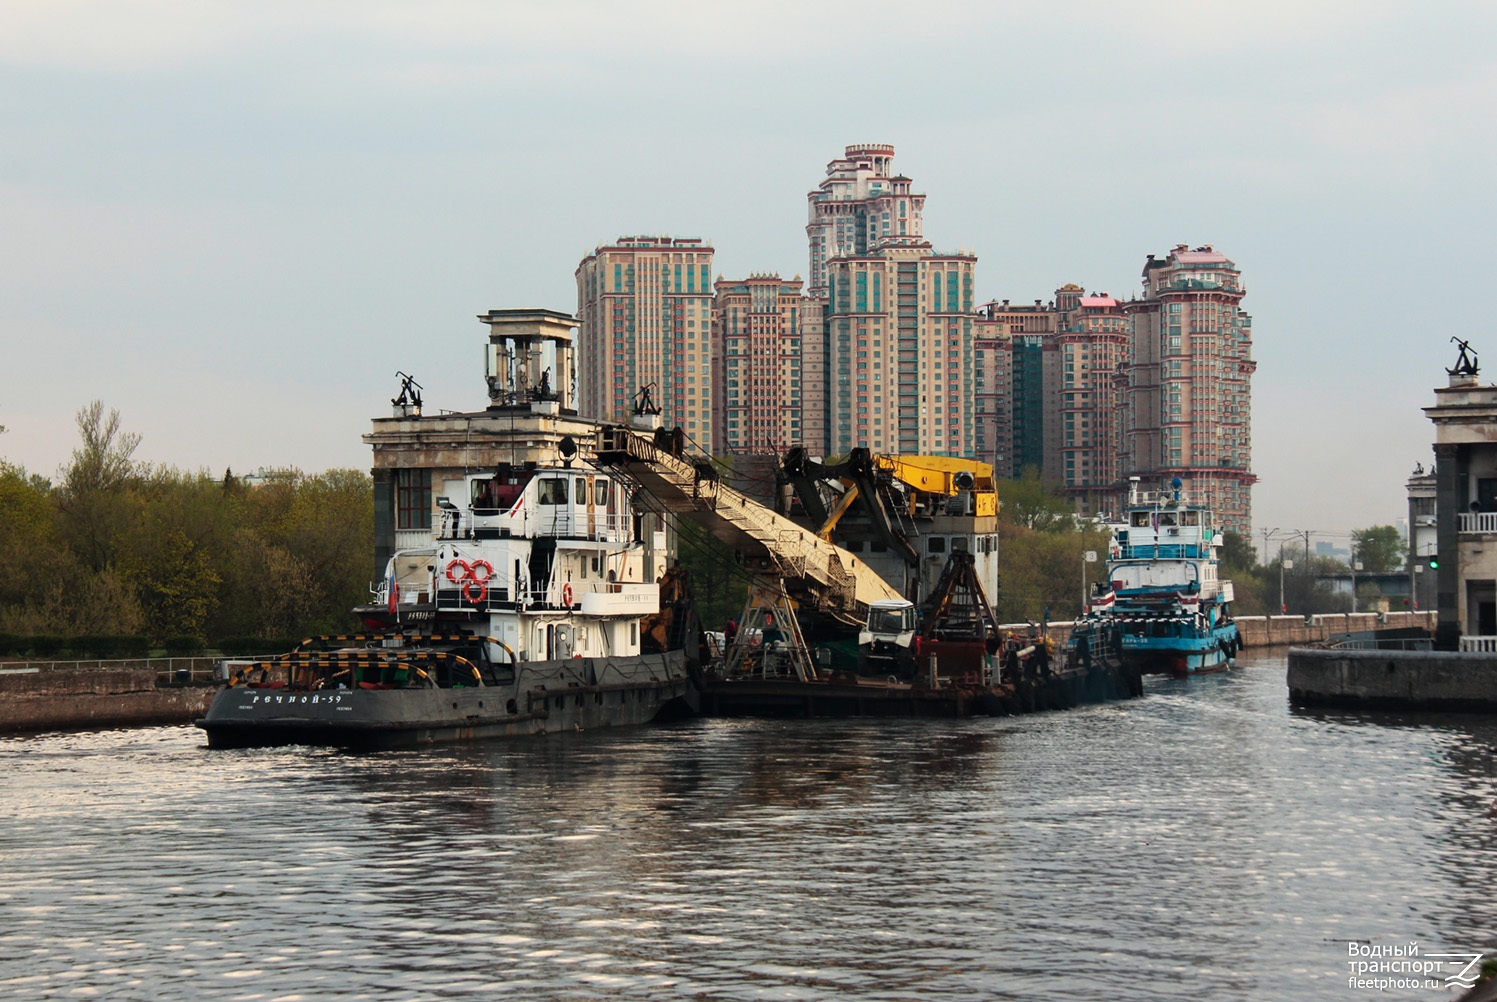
[(368, 719), (1195, 656)]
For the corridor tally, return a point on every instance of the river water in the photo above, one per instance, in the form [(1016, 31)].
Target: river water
[(1203, 842)]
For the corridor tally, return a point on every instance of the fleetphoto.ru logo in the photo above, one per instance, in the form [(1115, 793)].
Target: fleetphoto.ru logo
[(1391, 967)]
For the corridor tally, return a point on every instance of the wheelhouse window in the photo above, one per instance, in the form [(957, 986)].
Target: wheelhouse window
[(413, 499), (553, 490)]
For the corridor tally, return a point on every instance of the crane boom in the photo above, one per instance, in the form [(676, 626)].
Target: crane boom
[(818, 573)]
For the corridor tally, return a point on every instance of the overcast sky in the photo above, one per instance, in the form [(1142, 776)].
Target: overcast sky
[(234, 222)]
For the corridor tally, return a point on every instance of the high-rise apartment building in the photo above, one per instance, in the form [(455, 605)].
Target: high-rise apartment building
[(645, 308), (859, 208), (769, 378), (1048, 392), (1017, 378), (1188, 409), (1093, 339), (899, 317)]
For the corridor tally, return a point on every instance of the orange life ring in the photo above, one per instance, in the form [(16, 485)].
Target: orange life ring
[(455, 563), (476, 592), (488, 571), (566, 595)]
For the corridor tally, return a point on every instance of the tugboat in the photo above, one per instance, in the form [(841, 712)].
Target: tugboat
[(1162, 594), (527, 612), (529, 596)]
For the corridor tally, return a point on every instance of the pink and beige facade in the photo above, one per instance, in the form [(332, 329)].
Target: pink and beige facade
[(1093, 345), (899, 319), (1188, 406), (859, 208), (1049, 392), (899, 332), (645, 311), (769, 376), (1017, 388)]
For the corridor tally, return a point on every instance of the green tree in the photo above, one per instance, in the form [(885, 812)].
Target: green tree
[(94, 494), (178, 586), (266, 592), (1025, 502), (27, 516), (318, 530), (1043, 570), (1237, 552), (71, 601), (120, 548), (1381, 548), (1306, 592)]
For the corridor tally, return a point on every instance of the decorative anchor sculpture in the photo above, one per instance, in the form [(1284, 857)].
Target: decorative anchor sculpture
[(1466, 364), (410, 392), (644, 403)]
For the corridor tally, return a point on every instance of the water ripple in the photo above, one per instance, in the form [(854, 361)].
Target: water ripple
[(1202, 842)]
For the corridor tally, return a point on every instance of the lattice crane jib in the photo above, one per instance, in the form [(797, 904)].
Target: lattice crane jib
[(780, 553)]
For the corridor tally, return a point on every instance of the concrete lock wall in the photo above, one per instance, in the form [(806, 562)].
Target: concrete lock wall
[(1278, 631), (1402, 680), (103, 697)]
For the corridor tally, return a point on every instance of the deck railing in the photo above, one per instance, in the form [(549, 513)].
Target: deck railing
[(1165, 551)]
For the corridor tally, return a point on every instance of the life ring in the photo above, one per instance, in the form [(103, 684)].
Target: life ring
[(455, 564), (566, 595), (476, 591), (488, 571)]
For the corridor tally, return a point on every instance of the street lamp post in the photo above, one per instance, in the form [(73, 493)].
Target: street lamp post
[(1087, 557), (1356, 565), (1283, 566)]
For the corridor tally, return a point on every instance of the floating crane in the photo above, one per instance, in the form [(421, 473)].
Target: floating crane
[(791, 566), (901, 499)]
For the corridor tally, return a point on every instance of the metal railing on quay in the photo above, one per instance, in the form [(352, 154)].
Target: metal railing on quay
[(1390, 644), (167, 664)]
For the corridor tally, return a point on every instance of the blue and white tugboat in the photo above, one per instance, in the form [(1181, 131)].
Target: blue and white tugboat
[(1162, 593)]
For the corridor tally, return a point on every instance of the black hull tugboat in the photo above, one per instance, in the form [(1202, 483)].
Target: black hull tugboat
[(526, 614), (531, 602)]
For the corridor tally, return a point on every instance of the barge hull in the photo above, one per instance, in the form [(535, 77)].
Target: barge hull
[(791, 698)]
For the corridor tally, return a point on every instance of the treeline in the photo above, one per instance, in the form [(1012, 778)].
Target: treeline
[(1298, 584), (119, 554)]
